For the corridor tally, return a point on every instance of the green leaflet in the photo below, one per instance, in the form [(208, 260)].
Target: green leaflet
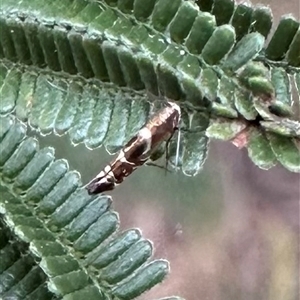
[(260, 151), (282, 38), (286, 151)]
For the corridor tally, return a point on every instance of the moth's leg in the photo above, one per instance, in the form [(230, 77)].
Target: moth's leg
[(156, 155), (158, 152), (168, 144), (151, 164), (177, 148)]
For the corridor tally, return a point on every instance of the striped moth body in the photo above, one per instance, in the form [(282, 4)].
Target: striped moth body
[(159, 128)]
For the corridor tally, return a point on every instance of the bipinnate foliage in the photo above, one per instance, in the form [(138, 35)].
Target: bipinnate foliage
[(92, 69), (63, 238)]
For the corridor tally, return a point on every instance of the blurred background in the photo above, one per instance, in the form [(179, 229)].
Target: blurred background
[(231, 232)]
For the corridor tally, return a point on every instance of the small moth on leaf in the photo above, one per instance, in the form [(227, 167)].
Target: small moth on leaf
[(159, 128)]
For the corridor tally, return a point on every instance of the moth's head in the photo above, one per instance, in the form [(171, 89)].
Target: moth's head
[(174, 106), (102, 183)]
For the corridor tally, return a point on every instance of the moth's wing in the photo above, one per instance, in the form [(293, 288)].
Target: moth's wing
[(137, 150)]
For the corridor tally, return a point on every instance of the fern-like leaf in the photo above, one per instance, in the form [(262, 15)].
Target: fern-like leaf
[(87, 68), (69, 240), (225, 69)]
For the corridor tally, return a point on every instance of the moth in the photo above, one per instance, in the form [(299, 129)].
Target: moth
[(159, 128)]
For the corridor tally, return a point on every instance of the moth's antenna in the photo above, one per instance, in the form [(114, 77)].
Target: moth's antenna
[(177, 148), (55, 86)]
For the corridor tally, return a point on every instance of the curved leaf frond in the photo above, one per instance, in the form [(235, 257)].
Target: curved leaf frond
[(61, 236), (214, 60)]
